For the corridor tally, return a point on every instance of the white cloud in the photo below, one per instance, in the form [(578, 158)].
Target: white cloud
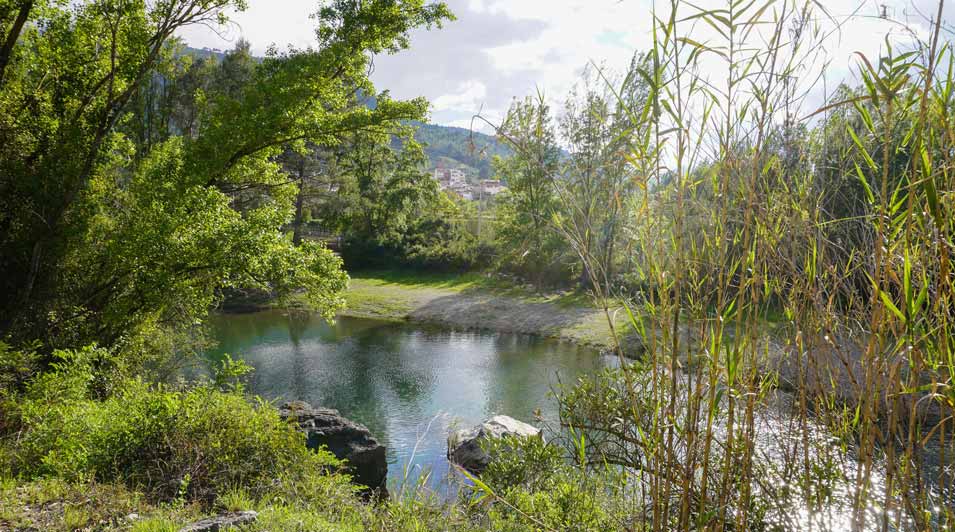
[(265, 22), (501, 49), (469, 123), (469, 95)]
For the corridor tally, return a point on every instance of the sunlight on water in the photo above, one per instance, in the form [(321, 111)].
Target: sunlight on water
[(835, 471), (409, 384), (413, 384)]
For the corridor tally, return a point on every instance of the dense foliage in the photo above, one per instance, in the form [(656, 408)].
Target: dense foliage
[(788, 271), (136, 186), (563, 218), (166, 455), (790, 279), (195, 443), (524, 218)]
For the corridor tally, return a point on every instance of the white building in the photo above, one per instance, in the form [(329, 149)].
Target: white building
[(449, 177), (492, 187)]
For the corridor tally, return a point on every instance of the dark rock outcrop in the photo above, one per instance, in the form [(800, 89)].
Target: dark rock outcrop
[(222, 523), (345, 439), (464, 446)]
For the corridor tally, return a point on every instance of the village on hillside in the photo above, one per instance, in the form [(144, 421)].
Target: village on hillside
[(456, 180)]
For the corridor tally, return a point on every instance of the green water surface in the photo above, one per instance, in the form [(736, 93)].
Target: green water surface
[(409, 384)]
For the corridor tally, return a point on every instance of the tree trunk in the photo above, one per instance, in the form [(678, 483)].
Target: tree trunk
[(6, 51), (299, 206)]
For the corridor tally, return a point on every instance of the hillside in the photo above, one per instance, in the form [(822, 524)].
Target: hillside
[(459, 147), (203, 53)]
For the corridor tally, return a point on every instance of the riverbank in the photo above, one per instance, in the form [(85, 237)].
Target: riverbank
[(473, 301)]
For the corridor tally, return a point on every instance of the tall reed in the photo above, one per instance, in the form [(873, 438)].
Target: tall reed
[(795, 299), (797, 288)]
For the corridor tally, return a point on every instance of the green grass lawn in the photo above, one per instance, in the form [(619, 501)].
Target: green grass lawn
[(461, 282), (421, 279), (394, 295)]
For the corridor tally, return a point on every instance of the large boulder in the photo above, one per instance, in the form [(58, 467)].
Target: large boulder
[(344, 438), (222, 523), (464, 446)]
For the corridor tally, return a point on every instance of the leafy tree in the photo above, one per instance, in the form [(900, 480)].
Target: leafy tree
[(14, 15), (313, 169), (597, 125), (441, 239), (524, 226), (373, 189), (385, 189), (108, 235)]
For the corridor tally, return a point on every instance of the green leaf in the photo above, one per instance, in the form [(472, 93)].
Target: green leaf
[(887, 301), (865, 184), (862, 150), (928, 186), (477, 482)]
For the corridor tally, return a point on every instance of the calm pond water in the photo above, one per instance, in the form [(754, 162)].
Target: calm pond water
[(409, 384)]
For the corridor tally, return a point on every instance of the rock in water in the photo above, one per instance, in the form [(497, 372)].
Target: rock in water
[(345, 439), (464, 446), (222, 523)]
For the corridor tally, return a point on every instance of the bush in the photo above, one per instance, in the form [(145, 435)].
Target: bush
[(193, 444), (526, 462), (532, 486), (432, 243), (209, 447), (358, 252), (173, 454), (17, 366), (441, 245)]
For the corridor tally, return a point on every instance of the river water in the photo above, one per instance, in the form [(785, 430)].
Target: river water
[(410, 384)]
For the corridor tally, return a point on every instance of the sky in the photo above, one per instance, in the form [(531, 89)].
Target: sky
[(498, 50)]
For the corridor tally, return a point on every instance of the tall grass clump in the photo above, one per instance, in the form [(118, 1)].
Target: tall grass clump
[(742, 233), (795, 283)]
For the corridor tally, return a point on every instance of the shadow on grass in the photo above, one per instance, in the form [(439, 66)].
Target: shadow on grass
[(470, 283)]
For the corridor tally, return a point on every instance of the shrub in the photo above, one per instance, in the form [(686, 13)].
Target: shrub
[(529, 463), (531, 486), (17, 366), (442, 245), (189, 444)]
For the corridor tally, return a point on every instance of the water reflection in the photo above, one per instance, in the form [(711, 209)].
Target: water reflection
[(408, 383)]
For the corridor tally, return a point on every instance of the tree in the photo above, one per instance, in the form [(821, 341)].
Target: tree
[(102, 52), (13, 19), (524, 228), (108, 236), (311, 167), (385, 188), (597, 125)]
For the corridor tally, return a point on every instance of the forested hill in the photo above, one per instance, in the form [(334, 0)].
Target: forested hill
[(456, 146)]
